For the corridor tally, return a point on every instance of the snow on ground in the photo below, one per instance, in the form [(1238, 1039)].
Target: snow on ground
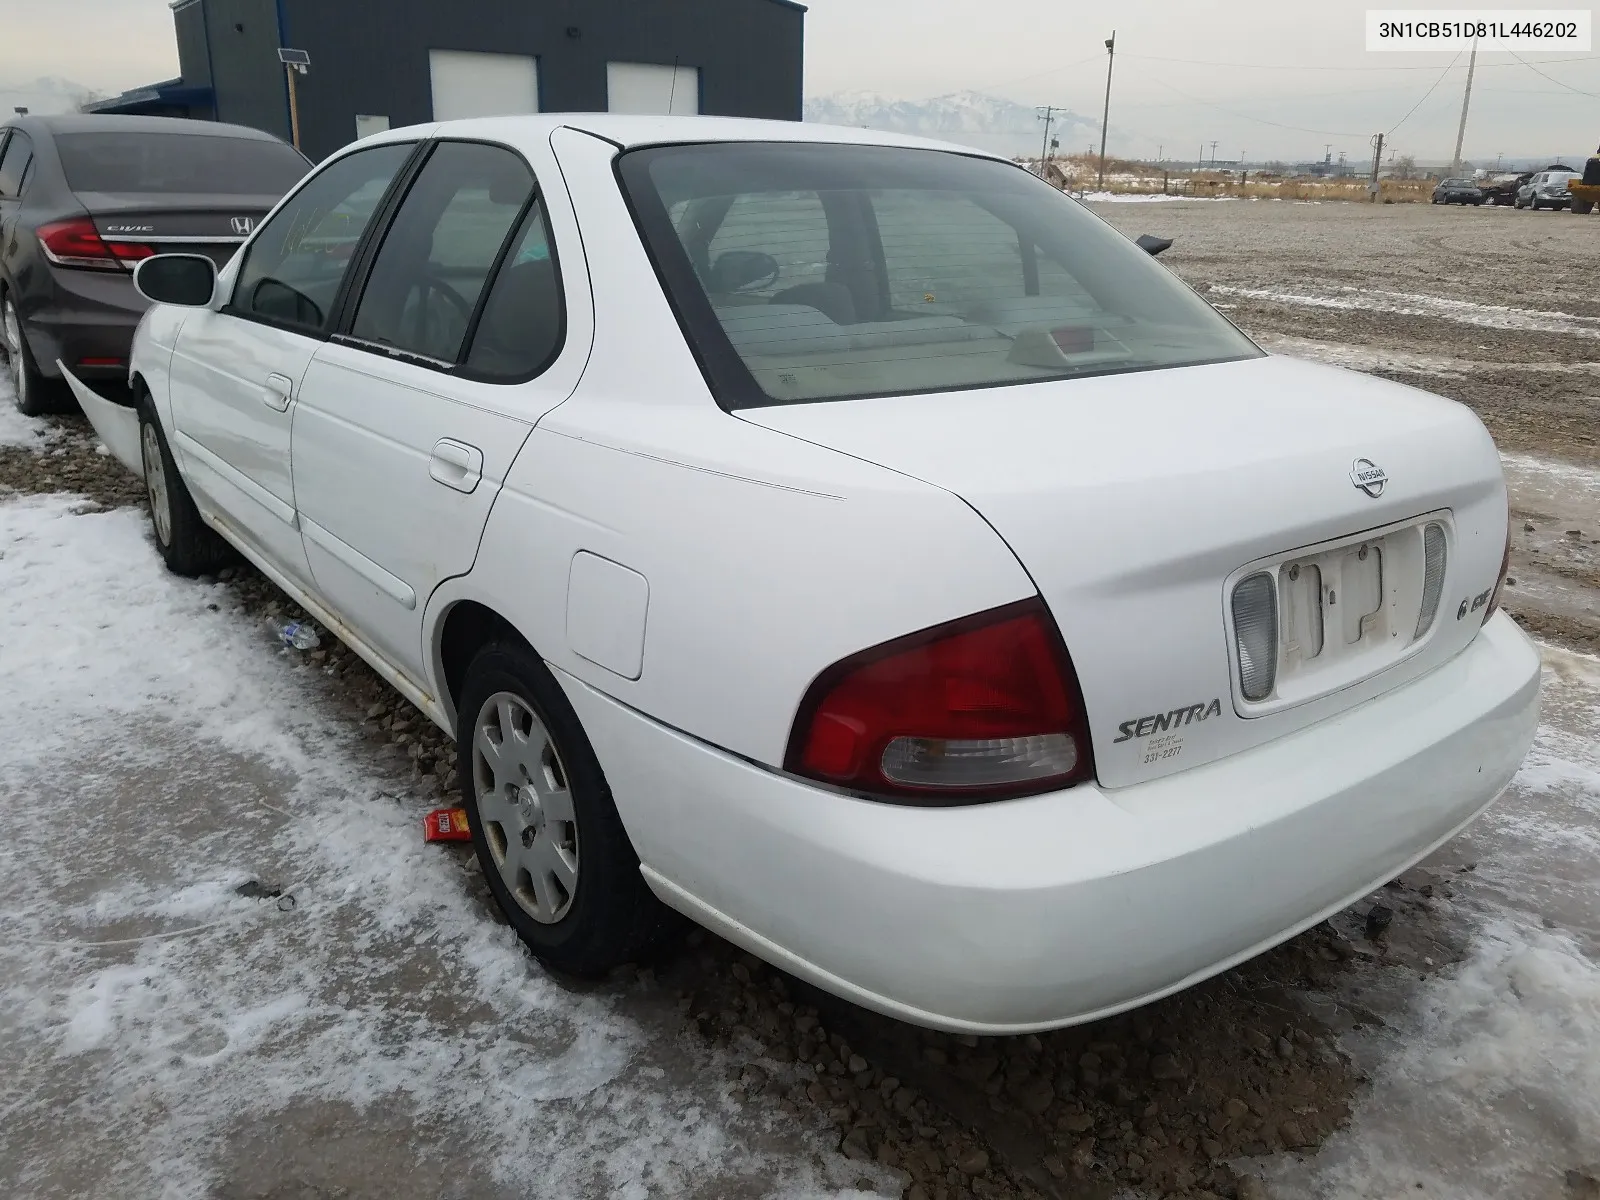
[(1487, 1077), (1142, 198), (1492, 316), (163, 1035), (1359, 358), (16, 430)]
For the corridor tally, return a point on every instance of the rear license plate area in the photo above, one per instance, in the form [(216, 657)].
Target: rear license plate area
[(1346, 610)]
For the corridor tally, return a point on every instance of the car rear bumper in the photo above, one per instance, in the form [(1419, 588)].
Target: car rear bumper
[(1064, 908), (84, 317)]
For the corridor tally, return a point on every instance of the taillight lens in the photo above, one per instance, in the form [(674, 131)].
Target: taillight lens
[(985, 708), (77, 243), (1500, 582)]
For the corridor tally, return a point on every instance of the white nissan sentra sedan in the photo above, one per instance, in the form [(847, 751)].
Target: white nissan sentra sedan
[(847, 541)]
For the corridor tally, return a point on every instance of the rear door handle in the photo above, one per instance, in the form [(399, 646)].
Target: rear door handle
[(279, 391), (456, 465)]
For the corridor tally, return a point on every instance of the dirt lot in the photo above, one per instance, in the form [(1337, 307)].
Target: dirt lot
[(1435, 1040)]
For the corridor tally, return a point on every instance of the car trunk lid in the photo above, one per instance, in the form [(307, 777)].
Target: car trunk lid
[(213, 225), (1137, 503)]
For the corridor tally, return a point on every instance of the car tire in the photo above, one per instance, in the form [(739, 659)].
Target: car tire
[(544, 807), (34, 395), (187, 544)]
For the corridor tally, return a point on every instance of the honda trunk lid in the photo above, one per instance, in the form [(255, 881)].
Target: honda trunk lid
[(214, 225)]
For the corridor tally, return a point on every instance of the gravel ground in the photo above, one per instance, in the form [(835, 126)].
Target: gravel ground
[(1185, 1098)]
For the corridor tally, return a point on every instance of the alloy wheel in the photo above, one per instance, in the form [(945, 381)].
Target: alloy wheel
[(155, 483), (14, 357), (525, 805)]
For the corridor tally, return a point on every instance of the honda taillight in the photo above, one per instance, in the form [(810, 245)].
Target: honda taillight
[(985, 708), (1500, 582), (77, 243)]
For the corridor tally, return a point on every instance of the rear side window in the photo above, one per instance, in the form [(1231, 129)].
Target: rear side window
[(431, 275), (523, 320), (170, 163), (14, 165), (298, 260)]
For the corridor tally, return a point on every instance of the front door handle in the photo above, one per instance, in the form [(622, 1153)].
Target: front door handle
[(456, 465), (279, 391)]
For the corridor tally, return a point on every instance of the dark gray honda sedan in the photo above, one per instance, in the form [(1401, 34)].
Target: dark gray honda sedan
[(83, 199)]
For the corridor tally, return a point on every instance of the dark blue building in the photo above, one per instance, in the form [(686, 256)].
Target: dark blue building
[(378, 64)]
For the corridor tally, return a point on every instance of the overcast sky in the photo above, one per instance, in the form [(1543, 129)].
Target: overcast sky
[(1250, 68)]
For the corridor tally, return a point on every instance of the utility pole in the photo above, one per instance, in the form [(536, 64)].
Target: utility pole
[(1377, 161), (1047, 114), (1213, 154), (1461, 132), (1105, 117)]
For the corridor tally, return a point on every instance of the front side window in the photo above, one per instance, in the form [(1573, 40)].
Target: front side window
[(294, 267), (423, 294), (822, 272)]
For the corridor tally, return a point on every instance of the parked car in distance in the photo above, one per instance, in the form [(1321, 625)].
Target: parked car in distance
[(1502, 189), (1546, 189), (1457, 191), (848, 541), (83, 199)]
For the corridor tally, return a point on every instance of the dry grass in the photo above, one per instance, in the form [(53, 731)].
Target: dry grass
[(1081, 173)]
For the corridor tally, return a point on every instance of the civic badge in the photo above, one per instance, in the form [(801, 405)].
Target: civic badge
[(243, 225), (1369, 477)]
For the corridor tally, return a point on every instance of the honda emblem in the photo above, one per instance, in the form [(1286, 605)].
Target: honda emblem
[(243, 225)]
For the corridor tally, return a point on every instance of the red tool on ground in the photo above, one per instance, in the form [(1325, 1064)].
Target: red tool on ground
[(447, 825)]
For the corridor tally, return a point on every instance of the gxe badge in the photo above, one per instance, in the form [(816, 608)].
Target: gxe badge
[(1369, 477)]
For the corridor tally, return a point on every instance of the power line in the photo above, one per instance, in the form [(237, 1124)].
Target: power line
[(1195, 62), (1427, 93), (1552, 78), (1016, 79), (1260, 120)]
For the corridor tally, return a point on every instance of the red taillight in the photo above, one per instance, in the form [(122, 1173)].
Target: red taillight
[(987, 707), (1500, 582), (132, 251), (77, 243)]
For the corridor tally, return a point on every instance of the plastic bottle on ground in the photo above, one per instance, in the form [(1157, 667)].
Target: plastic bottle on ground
[(299, 635)]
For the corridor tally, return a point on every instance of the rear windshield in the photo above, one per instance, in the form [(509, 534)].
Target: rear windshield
[(167, 163), (817, 272)]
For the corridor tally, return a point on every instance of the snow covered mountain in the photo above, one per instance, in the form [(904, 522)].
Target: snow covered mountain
[(971, 118), (45, 95)]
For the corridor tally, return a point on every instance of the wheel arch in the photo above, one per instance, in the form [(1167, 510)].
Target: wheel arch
[(463, 627)]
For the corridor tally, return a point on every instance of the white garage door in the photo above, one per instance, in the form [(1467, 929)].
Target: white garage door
[(653, 89), (482, 85)]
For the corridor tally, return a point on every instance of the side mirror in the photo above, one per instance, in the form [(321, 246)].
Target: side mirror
[(1152, 245), (186, 279)]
